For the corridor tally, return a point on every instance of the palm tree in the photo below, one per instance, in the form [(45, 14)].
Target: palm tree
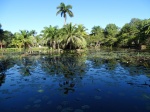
[(96, 36), (64, 9), (96, 30), (28, 38), (50, 35), (23, 38), (17, 41), (73, 38), (81, 28)]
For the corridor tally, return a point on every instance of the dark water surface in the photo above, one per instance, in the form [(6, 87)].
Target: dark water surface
[(97, 81)]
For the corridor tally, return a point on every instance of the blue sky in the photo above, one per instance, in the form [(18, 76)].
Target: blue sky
[(18, 15)]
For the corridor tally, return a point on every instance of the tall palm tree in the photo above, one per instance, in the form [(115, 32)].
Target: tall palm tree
[(64, 10)]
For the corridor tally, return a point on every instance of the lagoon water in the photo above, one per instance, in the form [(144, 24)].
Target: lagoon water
[(96, 81)]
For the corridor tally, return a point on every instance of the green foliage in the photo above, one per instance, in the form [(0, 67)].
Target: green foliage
[(64, 10), (134, 33), (111, 32), (96, 37), (73, 38), (23, 39), (50, 35)]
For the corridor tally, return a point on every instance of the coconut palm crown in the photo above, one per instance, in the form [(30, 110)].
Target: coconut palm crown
[(64, 10)]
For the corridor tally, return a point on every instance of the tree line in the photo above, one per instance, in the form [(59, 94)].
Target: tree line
[(75, 36)]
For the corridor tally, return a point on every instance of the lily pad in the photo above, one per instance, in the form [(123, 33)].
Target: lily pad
[(40, 90)]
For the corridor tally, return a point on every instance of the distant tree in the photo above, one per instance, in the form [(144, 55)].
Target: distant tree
[(111, 31), (27, 37), (24, 39), (17, 41), (96, 37), (145, 32), (131, 34), (1, 36), (96, 30), (8, 36), (64, 10)]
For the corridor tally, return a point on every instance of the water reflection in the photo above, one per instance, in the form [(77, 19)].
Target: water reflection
[(95, 81), (5, 63), (67, 86), (2, 78), (69, 69)]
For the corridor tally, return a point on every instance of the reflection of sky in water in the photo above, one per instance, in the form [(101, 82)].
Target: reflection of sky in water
[(95, 89)]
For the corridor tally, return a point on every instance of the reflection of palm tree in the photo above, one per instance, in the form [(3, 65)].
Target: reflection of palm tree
[(2, 78), (63, 64), (26, 66), (67, 86), (4, 65), (68, 68)]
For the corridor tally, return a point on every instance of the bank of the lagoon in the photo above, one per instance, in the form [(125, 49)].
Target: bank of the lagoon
[(91, 81)]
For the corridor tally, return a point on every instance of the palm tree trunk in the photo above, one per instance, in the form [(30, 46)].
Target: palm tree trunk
[(1, 44), (54, 45), (58, 45), (65, 21)]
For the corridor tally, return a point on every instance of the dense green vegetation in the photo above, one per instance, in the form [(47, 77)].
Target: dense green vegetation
[(73, 36)]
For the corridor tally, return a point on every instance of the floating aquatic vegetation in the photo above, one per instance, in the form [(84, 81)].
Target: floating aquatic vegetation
[(40, 90), (76, 77), (147, 97)]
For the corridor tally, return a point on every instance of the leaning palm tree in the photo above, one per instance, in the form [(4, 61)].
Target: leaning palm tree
[(64, 9)]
